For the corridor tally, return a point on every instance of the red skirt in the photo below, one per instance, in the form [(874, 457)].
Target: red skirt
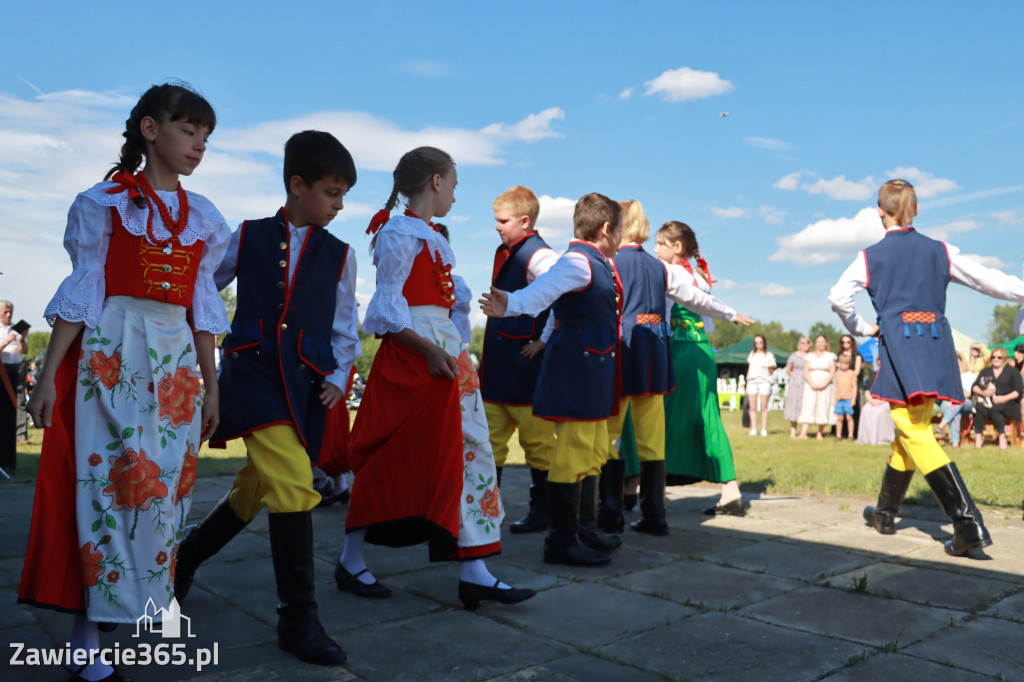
[(406, 452), (52, 576), (333, 458)]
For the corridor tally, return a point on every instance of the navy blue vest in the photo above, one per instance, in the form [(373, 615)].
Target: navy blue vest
[(907, 278), (580, 375), (646, 358), (505, 375), (279, 348)]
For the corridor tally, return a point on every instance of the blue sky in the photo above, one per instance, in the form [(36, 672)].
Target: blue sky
[(825, 101)]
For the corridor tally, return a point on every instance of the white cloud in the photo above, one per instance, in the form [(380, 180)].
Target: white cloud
[(988, 261), (943, 232), (925, 184), (106, 100), (771, 214), (974, 196), (841, 188), (830, 239), (773, 290), (768, 143), (532, 128), (731, 212), (626, 94), (678, 85), (554, 223), (726, 284), (1008, 218), (788, 182), (423, 67)]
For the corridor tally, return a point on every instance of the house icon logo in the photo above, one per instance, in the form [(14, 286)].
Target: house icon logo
[(167, 622)]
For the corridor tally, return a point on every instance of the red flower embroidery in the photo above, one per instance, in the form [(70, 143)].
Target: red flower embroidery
[(161, 558), (150, 387), (489, 503), (468, 379), (106, 369), (135, 482), (188, 474), (469, 499), (470, 456), (91, 568), (113, 577), (177, 396), (94, 459)]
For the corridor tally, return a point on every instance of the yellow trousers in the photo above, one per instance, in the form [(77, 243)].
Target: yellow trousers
[(276, 474), (536, 435), (915, 446), (579, 446), (648, 427)]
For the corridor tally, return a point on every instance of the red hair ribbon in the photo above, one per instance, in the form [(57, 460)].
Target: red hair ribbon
[(379, 218), (125, 180), (704, 268)]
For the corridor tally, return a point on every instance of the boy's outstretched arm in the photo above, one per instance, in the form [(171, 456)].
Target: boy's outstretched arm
[(853, 279)]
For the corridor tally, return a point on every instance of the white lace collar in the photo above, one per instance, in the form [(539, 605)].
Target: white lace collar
[(203, 217), (415, 227)]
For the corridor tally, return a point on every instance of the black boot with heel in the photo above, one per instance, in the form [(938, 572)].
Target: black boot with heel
[(894, 487), (969, 532), (201, 542), (537, 518)]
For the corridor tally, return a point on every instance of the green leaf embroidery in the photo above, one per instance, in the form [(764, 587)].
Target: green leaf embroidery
[(92, 340), (163, 442), (113, 429), (97, 506), (113, 446), (105, 342), (96, 525), (127, 433), (111, 523), (152, 353), (173, 435), (88, 394), (85, 382), (167, 358)]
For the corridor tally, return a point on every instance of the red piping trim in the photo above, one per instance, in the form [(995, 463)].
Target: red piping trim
[(284, 311), (302, 357), (919, 394), (867, 274)]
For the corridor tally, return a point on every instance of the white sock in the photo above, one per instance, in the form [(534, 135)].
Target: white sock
[(340, 484), (85, 635), (730, 492), (475, 571), (352, 556)]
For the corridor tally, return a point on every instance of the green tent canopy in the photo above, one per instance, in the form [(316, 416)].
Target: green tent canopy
[(1008, 345), (737, 353)]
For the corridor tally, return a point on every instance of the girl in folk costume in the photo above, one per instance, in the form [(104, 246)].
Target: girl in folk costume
[(696, 445), (420, 448), (119, 395), (906, 275)]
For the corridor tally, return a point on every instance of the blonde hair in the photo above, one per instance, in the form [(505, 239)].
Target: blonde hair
[(635, 226), (592, 212), (521, 201), (898, 199), (847, 358)]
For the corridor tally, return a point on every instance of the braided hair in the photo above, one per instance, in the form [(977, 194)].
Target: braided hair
[(166, 102), (675, 231), (413, 173)]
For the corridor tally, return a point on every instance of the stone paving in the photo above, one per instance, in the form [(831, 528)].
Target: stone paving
[(800, 589)]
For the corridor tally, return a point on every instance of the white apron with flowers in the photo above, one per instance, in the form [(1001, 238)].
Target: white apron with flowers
[(137, 431)]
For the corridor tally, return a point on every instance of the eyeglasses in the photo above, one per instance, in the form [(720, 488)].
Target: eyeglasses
[(998, 357)]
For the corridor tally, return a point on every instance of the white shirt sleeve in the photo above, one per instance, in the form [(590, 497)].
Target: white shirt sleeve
[(228, 268), (853, 280), (683, 291), (393, 255), (460, 311), (988, 281), (208, 312), (80, 296), (345, 342), (540, 262), (571, 272)]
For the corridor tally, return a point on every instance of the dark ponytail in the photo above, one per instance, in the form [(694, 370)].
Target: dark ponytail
[(413, 173)]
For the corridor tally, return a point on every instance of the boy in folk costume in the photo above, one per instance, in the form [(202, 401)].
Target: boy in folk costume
[(509, 367), (579, 382), (906, 275), (286, 362)]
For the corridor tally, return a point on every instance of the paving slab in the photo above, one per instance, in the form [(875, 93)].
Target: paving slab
[(682, 543), (922, 585), (865, 539), (706, 585), (984, 645), (887, 666), (722, 647), (1010, 608), (789, 558), (590, 615), (864, 618), (579, 668)]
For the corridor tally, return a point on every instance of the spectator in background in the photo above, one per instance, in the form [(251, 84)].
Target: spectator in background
[(1017, 361), (996, 394), (760, 365), (951, 414), (819, 370), (795, 387), (12, 352), (976, 361)]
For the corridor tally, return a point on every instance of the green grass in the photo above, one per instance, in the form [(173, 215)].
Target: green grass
[(774, 464)]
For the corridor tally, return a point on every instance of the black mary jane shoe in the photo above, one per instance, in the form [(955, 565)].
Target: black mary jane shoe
[(114, 676), (104, 626), (350, 583), (735, 508), (471, 594)]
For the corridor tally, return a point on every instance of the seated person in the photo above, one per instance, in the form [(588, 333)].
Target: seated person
[(996, 395)]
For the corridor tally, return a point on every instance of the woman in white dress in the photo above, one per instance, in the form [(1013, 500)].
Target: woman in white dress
[(819, 370)]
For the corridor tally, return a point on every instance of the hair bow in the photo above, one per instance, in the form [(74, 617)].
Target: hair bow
[(379, 218), (125, 180)]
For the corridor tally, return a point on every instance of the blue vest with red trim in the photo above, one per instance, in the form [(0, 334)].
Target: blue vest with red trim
[(646, 358), (580, 375), (907, 278), (279, 348), (505, 375)]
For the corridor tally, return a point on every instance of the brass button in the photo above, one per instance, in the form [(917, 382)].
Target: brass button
[(167, 268), (284, 326), (280, 285), (613, 354), (283, 246), (165, 286), (280, 306), (586, 353), (602, 358), (302, 368), (234, 356), (283, 263), (448, 284)]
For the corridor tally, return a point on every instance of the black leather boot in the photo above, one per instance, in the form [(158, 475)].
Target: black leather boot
[(588, 519), (969, 533), (561, 546), (652, 499), (537, 518), (201, 542), (894, 487), (611, 488), (629, 500), (299, 631)]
